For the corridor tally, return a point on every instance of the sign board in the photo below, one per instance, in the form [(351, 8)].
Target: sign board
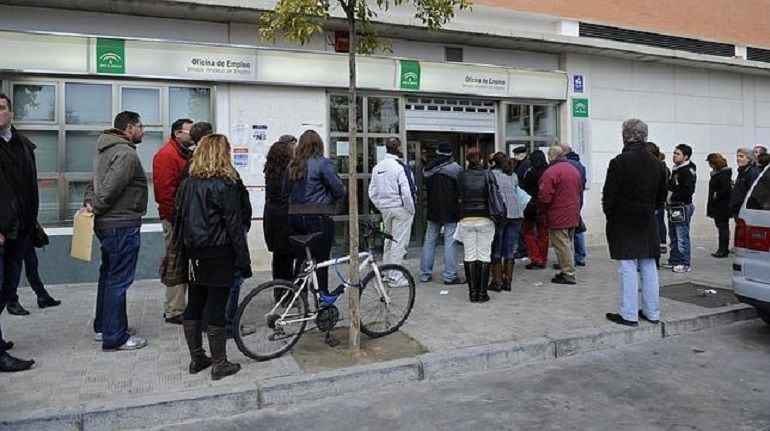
[(110, 56), (410, 75), (578, 83), (579, 108)]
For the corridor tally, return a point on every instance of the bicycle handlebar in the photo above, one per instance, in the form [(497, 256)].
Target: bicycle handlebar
[(370, 229)]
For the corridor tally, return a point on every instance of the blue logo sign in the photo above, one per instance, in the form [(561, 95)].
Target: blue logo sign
[(577, 83)]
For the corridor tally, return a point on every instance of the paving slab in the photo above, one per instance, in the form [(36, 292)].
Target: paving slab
[(75, 383)]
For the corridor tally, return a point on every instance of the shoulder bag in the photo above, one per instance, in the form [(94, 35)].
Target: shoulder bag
[(497, 210)]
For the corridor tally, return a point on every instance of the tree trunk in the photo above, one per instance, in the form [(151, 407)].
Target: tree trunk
[(354, 336)]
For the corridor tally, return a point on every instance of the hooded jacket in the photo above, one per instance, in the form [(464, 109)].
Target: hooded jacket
[(682, 182), (18, 185), (118, 190), (390, 185), (442, 188)]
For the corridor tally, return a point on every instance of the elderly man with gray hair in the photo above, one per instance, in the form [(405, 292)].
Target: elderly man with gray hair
[(634, 187)]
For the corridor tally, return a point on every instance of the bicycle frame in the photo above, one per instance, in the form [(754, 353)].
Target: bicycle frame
[(308, 274)]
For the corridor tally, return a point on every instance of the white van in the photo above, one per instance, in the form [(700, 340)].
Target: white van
[(751, 267)]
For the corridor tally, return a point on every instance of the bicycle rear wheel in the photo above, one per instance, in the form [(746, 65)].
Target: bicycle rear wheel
[(260, 332), (379, 318)]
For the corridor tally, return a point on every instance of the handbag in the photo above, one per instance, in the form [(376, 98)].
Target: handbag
[(39, 237), (174, 267), (497, 210), (676, 212)]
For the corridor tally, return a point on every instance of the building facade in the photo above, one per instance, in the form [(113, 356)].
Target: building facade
[(508, 73)]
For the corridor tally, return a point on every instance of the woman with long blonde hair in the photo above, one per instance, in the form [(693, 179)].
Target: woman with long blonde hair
[(210, 217)]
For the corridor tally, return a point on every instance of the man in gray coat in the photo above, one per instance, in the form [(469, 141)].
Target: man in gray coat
[(117, 196)]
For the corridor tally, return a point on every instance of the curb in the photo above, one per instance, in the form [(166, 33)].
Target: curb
[(426, 367)]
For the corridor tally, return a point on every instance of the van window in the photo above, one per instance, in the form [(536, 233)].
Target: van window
[(760, 196)]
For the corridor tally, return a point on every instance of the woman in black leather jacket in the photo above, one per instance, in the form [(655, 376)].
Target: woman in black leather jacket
[(476, 227), (209, 215)]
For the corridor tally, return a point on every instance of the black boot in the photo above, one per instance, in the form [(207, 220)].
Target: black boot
[(192, 334), (218, 344), (10, 364), (469, 280), (483, 281)]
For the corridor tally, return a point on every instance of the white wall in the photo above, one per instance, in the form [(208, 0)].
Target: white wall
[(283, 110), (712, 111)]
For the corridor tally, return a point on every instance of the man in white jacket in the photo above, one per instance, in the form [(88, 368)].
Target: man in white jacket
[(391, 190)]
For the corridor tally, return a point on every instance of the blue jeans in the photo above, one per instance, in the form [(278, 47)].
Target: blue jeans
[(661, 216), (679, 234), (120, 252), (580, 247), (506, 240), (629, 284), (232, 302), (429, 250)]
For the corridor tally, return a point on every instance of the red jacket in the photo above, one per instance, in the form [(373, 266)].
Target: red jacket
[(167, 167), (559, 194)]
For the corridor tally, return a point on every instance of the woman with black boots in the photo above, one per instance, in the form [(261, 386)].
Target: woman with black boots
[(476, 227), (209, 217), (718, 206), (507, 233)]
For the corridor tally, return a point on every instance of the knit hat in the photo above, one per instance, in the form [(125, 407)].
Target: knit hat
[(444, 148), (748, 153), (634, 130)]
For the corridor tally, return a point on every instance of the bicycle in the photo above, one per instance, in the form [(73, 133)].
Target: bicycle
[(274, 315)]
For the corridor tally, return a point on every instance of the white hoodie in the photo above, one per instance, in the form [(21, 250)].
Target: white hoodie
[(389, 186)]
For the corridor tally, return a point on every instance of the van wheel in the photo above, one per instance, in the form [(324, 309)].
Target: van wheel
[(764, 314)]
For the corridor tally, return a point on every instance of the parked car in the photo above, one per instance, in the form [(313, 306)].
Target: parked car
[(751, 266)]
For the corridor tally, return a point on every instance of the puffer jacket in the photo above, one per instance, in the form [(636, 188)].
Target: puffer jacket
[(167, 167), (441, 176), (682, 182), (390, 186), (212, 221), (509, 185), (118, 191), (474, 196), (317, 190), (746, 177)]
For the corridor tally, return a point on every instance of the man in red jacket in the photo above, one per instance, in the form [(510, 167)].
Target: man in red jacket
[(167, 167), (560, 189)]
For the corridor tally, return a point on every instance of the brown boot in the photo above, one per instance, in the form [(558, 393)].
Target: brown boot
[(192, 334), (508, 275), (217, 343), (497, 276)]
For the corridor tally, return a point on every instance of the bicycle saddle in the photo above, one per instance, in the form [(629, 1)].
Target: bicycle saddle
[(305, 240)]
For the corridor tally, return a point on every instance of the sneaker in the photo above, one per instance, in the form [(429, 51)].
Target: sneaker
[(98, 335), (681, 268), (580, 264), (133, 343), (424, 279)]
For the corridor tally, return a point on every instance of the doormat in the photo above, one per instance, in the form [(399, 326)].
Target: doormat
[(698, 294)]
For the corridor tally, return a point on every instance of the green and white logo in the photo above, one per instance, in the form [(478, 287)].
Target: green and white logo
[(110, 56), (410, 75), (580, 108)]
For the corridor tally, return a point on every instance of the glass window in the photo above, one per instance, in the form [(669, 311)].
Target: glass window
[(760, 196), (151, 143), (49, 200), (383, 115), (189, 102), (339, 151), (75, 193), (47, 152), (34, 103), (80, 150), (88, 103), (376, 151), (517, 121), (545, 120), (338, 114), (144, 101)]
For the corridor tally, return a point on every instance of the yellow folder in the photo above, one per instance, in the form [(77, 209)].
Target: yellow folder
[(82, 236)]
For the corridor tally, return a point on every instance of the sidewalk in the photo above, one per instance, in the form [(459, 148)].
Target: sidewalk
[(74, 385)]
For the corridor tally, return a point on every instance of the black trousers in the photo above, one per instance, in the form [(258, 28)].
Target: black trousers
[(213, 299), (283, 266), (723, 227)]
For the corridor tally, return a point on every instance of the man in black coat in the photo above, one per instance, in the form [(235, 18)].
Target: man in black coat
[(18, 213), (634, 187)]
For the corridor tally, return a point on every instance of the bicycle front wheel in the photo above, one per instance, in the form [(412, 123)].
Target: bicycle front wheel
[(379, 317), (268, 324)]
